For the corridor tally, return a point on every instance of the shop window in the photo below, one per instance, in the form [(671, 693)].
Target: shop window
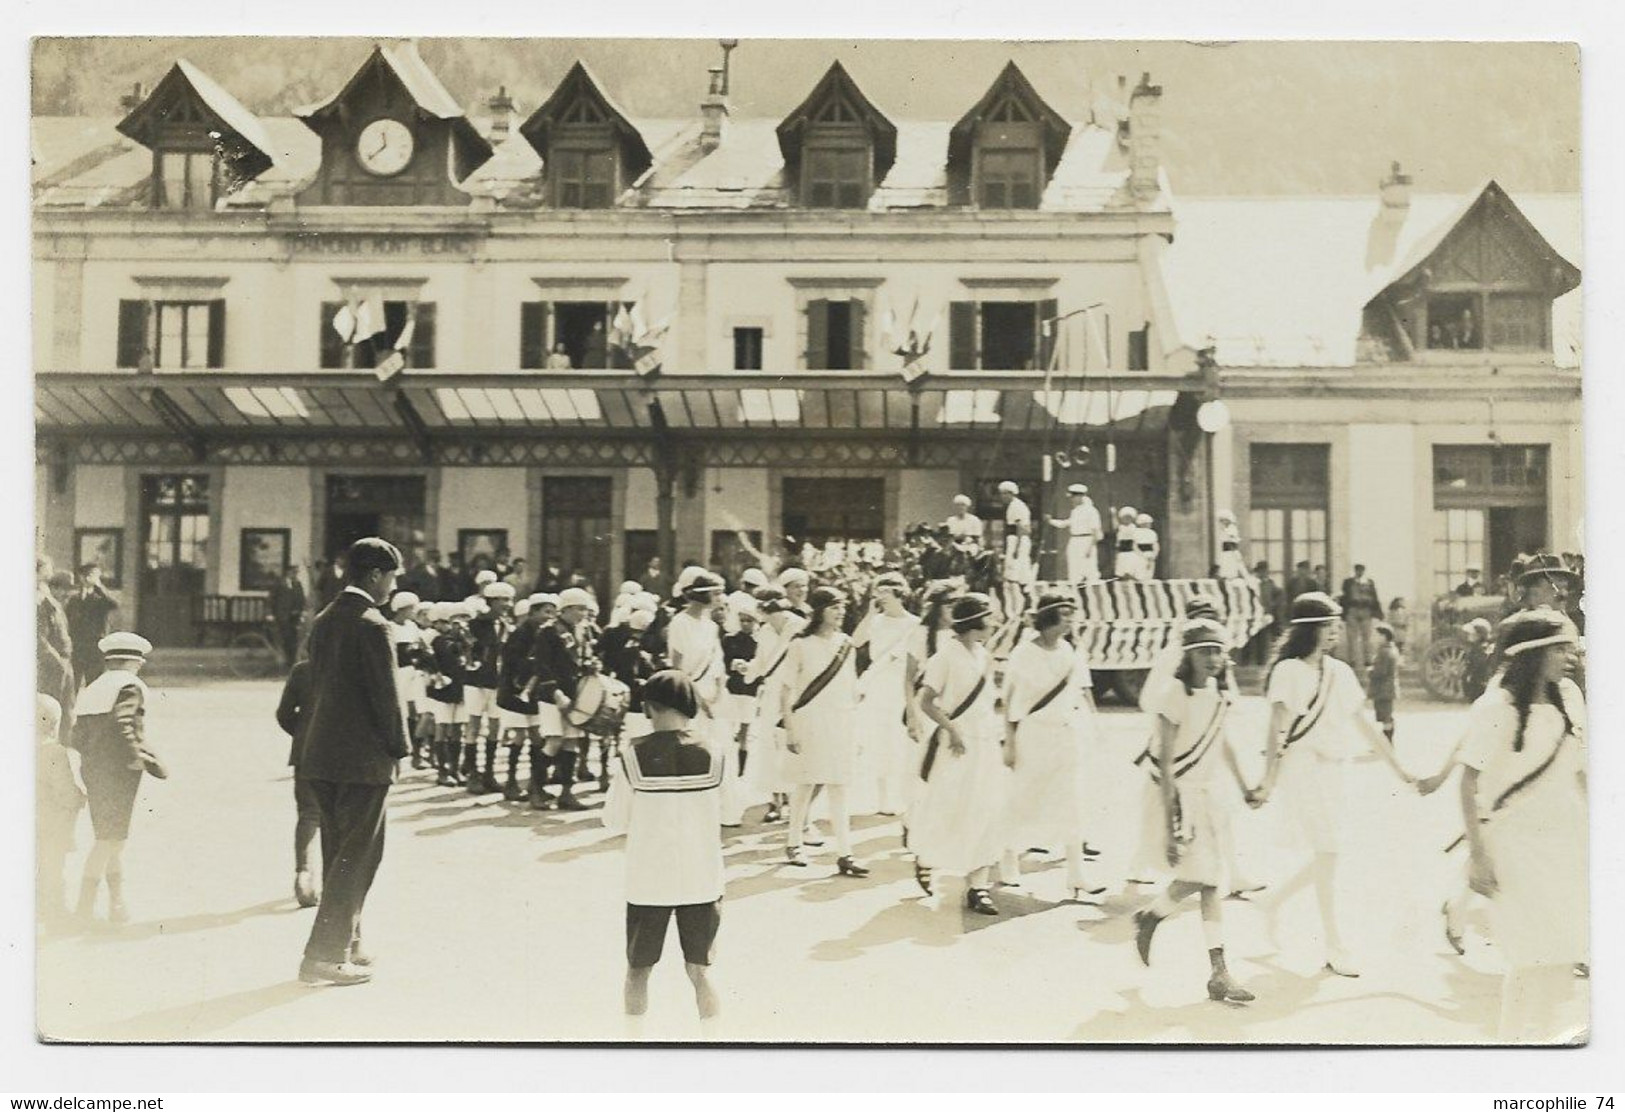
[(1458, 544)]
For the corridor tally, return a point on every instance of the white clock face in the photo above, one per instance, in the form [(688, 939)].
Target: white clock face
[(385, 147)]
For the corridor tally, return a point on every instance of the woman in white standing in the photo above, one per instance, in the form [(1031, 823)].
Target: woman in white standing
[(1048, 719), (1191, 748), (1523, 800), (694, 648), (884, 747), (819, 697), (766, 771), (1318, 720), (957, 826)]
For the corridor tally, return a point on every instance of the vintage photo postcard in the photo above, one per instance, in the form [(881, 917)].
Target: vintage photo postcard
[(767, 541)]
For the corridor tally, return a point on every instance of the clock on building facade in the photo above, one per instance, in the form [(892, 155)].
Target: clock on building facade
[(384, 147)]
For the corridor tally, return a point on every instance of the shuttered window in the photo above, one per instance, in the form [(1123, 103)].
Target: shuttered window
[(835, 334), (369, 351), (172, 335)]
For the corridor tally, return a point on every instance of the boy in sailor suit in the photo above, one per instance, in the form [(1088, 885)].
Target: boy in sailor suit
[(667, 801)]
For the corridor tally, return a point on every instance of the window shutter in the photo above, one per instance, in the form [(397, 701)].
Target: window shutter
[(132, 332), (1139, 349), (217, 332), (1049, 330), (332, 348), (422, 347), (962, 336), (818, 335), (532, 335), (857, 347)]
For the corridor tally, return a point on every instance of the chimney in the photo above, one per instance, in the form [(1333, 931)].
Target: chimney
[(1395, 189), (501, 107), (714, 110), (131, 100), (1144, 139)]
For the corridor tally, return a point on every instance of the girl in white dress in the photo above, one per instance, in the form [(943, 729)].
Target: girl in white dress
[(884, 746), (1191, 748), (1126, 546), (957, 826), (1048, 720), (1318, 721), (1523, 800), (766, 770), (819, 697), (694, 648)]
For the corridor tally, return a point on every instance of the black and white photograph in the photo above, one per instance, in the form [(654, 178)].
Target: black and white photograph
[(856, 541)]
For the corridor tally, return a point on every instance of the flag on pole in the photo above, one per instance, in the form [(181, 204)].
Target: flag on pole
[(344, 323), (369, 318)]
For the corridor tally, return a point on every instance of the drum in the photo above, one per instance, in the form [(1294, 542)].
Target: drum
[(600, 705)]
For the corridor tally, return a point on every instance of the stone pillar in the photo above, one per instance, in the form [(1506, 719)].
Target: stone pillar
[(1382, 504), (692, 323), (1187, 522)]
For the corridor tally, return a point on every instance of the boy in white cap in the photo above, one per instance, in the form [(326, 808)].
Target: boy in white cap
[(445, 684), (562, 654), (407, 639), (1083, 533), (110, 737), (487, 631), (516, 714), (795, 583)]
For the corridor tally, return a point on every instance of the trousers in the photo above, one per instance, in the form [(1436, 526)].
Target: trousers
[(352, 822)]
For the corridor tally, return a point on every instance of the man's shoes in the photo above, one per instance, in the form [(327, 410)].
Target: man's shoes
[(359, 958), (313, 972), (568, 802), (513, 792), (304, 890)]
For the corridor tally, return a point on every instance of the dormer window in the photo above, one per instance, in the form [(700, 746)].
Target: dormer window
[(1485, 283), (1002, 152), (836, 145), (204, 143), (590, 151), (185, 180)]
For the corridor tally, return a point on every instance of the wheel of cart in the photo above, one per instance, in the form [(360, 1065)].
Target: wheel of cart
[(241, 624), (1444, 667), (1443, 663)]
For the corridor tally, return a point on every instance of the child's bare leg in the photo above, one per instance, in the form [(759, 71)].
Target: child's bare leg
[(636, 994), (705, 995)]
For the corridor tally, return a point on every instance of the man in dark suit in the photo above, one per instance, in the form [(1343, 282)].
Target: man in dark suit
[(1362, 609), (353, 740), (288, 611)]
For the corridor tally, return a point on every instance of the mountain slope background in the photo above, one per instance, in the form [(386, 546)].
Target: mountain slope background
[(1250, 118)]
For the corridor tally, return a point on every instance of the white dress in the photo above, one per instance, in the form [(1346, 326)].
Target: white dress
[(823, 728), (1231, 564), (694, 647), (1018, 547), (957, 825), (886, 753), (1046, 785), (1207, 845), (1315, 768), (766, 772), (1537, 840)]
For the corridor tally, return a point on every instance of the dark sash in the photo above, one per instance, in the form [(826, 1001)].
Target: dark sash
[(935, 743), (1049, 696), (1310, 717), (1518, 786), (1191, 757), (822, 680)]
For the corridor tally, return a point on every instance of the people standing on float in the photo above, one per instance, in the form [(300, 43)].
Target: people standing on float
[(1083, 534), (1126, 546), (1018, 550), (1048, 724), (819, 699), (884, 747), (957, 824), (1318, 722), (1147, 544), (1232, 565), (1191, 751), (1523, 802)]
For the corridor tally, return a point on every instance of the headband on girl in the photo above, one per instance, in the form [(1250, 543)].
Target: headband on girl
[(1541, 643), (1314, 620), (976, 617), (1059, 604)]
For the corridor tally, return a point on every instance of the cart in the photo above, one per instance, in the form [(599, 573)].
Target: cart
[(1443, 661)]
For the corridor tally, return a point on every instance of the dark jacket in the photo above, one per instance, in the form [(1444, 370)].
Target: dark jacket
[(288, 601), (1361, 596), (424, 582), (450, 663), (291, 711), (55, 647), (487, 632), (88, 613), (355, 731), (558, 660), (739, 646), (515, 668)]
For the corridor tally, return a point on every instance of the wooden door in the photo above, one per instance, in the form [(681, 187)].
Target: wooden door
[(576, 529), (175, 556)]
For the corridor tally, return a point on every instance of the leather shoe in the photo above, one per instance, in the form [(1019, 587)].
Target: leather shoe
[(313, 972), (568, 802)]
